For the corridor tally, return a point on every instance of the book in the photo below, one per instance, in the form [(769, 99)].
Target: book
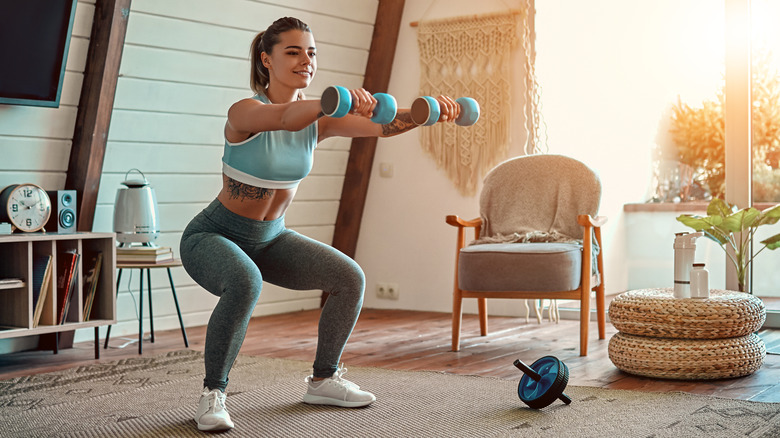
[(145, 260), (66, 281), (41, 285), (154, 255), (8, 283), (142, 250), (90, 283)]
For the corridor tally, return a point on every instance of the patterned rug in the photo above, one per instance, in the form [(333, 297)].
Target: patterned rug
[(155, 396)]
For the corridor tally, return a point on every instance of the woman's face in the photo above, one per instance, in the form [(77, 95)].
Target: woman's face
[(293, 61)]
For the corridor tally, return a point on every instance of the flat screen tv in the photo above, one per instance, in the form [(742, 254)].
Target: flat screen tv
[(34, 41)]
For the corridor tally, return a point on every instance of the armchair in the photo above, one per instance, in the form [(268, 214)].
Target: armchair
[(538, 237)]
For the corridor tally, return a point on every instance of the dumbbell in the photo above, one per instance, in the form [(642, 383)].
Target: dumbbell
[(543, 382), (336, 102), (426, 111)]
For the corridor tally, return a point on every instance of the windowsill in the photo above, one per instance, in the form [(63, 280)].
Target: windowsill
[(696, 206)]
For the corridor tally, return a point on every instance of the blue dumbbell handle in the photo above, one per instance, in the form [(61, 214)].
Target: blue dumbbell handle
[(336, 102)]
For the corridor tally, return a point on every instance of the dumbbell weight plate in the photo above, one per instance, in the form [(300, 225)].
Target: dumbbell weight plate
[(555, 376), (425, 111), (336, 101)]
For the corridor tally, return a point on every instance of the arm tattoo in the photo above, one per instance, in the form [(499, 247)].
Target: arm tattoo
[(239, 190), (402, 123)]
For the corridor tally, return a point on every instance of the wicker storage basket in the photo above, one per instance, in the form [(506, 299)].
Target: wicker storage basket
[(687, 359), (656, 313)]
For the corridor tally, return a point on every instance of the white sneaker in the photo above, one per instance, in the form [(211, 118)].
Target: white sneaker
[(337, 391), (212, 414)]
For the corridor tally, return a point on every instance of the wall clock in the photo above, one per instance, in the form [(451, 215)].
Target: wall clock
[(26, 206)]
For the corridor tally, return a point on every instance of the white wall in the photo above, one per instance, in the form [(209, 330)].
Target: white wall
[(610, 71), (403, 237)]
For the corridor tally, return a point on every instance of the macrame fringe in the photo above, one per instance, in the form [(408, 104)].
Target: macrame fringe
[(469, 56)]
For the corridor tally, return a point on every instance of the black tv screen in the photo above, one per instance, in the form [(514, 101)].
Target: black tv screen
[(34, 41)]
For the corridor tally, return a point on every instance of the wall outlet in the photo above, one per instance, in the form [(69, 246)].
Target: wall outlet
[(387, 291)]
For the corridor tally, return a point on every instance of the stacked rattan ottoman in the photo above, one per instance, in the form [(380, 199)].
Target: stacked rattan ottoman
[(687, 339)]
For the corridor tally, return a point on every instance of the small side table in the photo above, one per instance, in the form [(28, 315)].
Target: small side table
[(148, 268)]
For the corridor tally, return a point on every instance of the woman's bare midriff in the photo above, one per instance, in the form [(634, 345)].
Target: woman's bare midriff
[(254, 202)]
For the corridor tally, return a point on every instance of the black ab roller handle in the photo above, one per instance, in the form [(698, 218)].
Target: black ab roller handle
[(528, 370)]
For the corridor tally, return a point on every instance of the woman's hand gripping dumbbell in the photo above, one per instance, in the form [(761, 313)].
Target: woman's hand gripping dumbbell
[(337, 101), (426, 110)]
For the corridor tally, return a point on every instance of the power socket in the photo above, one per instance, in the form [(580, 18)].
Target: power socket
[(387, 291)]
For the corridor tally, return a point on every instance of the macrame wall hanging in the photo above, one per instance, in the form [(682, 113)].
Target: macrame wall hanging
[(471, 56)]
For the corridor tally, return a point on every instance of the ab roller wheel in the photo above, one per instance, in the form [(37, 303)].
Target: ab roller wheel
[(336, 102), (426, 111), (543, 382)]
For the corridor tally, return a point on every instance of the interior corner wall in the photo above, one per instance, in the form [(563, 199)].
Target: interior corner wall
[(403, 236)]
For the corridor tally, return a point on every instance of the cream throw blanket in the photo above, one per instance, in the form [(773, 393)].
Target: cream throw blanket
[(537, 199), (469, 56)]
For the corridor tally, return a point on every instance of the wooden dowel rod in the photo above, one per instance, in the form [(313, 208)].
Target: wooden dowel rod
[(417, 23)]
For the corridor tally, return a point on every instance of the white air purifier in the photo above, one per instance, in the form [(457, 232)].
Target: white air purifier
[(136, 218)]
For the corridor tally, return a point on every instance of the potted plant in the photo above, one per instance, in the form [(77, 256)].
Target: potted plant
[(724, 221)]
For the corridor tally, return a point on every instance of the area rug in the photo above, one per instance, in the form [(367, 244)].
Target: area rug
[(155, 396)]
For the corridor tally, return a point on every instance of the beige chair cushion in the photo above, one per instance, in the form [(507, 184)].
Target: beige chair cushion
[(541, 267)]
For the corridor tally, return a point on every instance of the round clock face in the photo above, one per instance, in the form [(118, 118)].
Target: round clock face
[(26, 206)]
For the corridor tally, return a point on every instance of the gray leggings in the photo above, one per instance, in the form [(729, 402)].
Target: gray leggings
[(230, 256)]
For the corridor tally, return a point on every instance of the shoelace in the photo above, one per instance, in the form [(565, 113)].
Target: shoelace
[(216, 402), (338, 377), (340, 372)]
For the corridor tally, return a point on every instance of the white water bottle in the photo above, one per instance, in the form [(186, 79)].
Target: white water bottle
[(684, 252), (700, 287)]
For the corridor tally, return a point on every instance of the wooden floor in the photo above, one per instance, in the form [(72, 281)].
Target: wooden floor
[(411, 340)]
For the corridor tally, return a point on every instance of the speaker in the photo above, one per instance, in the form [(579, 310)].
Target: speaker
[(63, 211)]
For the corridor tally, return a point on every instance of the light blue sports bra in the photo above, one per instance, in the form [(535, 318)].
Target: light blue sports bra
[(271, 159)]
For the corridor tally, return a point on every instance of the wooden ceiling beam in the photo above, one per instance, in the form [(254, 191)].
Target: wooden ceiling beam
[(361, 154), (96, 104)]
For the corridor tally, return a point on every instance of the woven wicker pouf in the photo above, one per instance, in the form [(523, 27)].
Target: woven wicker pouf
[(687, 339), (658, 314), (687, 359)]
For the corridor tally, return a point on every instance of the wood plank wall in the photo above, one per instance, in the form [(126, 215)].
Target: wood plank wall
[(35, 141), (184, 63)]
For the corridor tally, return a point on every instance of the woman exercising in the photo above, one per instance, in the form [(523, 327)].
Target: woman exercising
[(240, 240)]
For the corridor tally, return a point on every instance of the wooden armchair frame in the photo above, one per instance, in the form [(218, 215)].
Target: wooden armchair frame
[(591, 226)]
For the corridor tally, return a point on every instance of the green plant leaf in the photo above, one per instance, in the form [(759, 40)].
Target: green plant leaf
[(769, 216), (741, 220), (719, 207), (700, 223), (773, 242), (720, 237)]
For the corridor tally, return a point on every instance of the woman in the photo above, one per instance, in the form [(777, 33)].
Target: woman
[(240, 241)]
